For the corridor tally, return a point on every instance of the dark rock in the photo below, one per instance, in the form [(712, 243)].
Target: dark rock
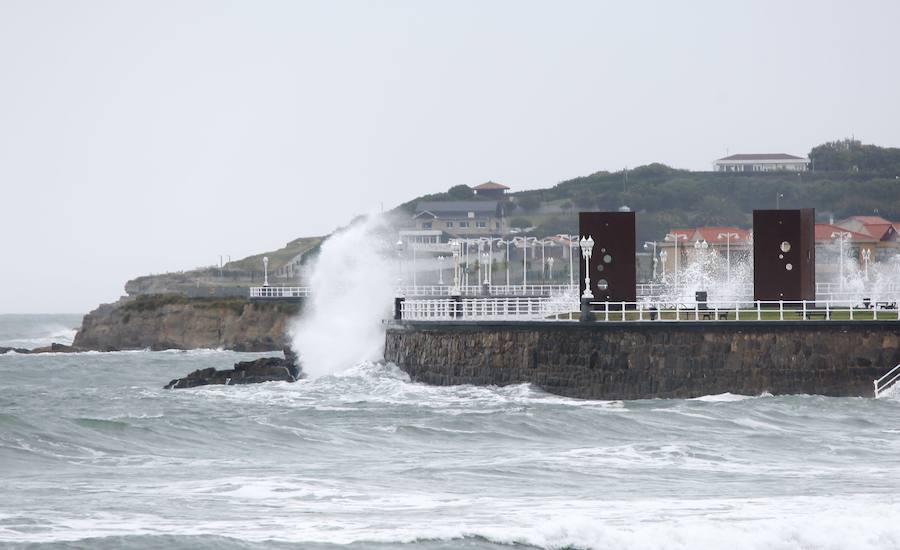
[(58, 348), (52, 348), (265, 369)]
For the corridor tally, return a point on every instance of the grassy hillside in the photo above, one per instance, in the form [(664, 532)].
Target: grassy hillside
[(666, 197)]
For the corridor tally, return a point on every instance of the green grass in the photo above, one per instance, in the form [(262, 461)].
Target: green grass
[(745, 315)]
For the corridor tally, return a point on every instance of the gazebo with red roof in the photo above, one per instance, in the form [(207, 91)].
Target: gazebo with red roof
[(491, 190)]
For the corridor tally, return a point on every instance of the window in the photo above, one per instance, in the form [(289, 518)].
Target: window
[(426, 225), (463, 224), (449, 224), (471, 215), (480, 224)]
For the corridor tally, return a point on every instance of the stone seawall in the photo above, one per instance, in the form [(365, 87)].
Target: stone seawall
[(636, 360)]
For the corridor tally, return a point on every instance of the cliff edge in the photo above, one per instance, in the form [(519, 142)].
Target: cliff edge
[(168, 321)]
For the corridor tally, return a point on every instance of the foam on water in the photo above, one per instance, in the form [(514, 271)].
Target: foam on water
[(93, 450)]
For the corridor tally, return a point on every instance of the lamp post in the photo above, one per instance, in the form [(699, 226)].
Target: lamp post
[(675, 237), (440, 260), (507, 242), (728, 237), (587, 245), (841, 236), (550, 262), (662, 256), (866, 255), (648, 244), (572, 244), (399, 247), (454, 248), (485, 261), (265, 271)]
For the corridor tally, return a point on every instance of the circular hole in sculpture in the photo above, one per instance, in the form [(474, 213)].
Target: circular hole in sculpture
[(789, 267), (600, 267), (781, 256), (785, 246), (607, 259), (602, 284)]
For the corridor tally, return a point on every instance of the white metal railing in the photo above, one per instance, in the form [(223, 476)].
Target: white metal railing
[(474, 309), (279, 291), (823, 290), (567, 308), (887, 381)]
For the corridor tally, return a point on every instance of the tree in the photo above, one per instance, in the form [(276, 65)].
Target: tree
[(529, 203)]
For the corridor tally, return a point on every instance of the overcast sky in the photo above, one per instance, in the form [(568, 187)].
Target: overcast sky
[(140, 137)]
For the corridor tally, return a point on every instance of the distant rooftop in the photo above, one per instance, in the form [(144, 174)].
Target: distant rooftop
[(489, 186), (762, 156)]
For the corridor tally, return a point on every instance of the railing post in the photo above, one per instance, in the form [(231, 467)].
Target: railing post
[(398, 308), (586, 314)]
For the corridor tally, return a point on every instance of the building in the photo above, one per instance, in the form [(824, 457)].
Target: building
[(491, 190), (732, 242), (768, 162), (461, 218)]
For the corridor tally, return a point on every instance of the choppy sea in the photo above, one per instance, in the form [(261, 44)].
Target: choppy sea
[(95, 454)]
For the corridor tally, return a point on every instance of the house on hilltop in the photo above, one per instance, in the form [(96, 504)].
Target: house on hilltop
[(767, 162), (461, 218), (491, 190)]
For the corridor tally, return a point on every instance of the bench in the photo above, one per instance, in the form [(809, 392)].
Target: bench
[(813, 314), (710, 313)]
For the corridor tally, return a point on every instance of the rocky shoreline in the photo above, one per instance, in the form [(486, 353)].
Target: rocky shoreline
[(52, 348), (169, 321)]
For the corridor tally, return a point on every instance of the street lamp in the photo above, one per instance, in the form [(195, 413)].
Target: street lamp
[(485, 263), (266, 271), (399, 247), (662, 256), (440, 260), (550, 261), (454, 248), (866, 255), (841, 236), (728, 237), (587, 245), (506, 242), (675, 237), (648, 244)]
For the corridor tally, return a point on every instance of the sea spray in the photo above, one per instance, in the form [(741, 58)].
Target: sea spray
[(341, 324)]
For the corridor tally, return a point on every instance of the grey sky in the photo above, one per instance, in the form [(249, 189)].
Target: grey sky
[(141, 137)]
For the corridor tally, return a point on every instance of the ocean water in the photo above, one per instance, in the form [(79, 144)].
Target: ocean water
[(94, 454)]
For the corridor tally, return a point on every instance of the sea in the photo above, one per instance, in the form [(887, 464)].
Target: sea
[(94, 454)]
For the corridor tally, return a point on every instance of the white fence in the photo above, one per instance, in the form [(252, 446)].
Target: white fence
[(565, 308), (280, 291)]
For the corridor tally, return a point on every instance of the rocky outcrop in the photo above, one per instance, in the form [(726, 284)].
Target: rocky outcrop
[(637, 360), (52, 348), (176, 322), (266, 369)]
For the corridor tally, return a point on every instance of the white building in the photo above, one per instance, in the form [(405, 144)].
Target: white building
[(770, 162)]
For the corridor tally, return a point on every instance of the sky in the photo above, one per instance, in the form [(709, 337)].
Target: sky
[(145, 137)]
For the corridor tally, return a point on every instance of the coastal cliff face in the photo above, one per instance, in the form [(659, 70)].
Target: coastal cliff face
[(176, 322), (635, 361)]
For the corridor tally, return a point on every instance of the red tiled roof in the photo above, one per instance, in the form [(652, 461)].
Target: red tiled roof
[(868, 220), (878, 230), (489, 186), (762, 156), (824, 232)]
